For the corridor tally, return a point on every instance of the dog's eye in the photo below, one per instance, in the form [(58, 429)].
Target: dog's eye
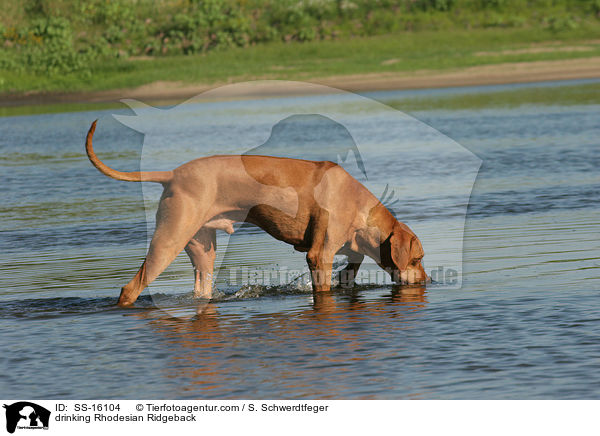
[(415, 262)]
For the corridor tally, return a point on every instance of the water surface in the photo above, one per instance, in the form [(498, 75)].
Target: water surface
[(524, 324)]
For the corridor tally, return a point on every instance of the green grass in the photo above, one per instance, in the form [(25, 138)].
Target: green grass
[(428, 50), (55, 108), (91, 45), (585, 94)]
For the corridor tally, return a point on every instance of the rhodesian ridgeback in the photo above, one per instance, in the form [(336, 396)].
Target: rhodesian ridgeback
[(315, 206)]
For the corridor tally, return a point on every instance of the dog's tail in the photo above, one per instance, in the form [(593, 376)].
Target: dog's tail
[(133, 176)]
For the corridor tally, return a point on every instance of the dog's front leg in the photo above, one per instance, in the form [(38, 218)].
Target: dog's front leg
[(202, 252), (320, 255), (320, 263), (349, 273)]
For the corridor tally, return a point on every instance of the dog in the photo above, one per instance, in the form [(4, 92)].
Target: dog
[(316, 206)]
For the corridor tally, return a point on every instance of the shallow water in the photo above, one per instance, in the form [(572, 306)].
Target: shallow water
[(524, 324)]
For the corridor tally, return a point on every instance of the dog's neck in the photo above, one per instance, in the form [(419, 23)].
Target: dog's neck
[(381, 221), (379, 226)]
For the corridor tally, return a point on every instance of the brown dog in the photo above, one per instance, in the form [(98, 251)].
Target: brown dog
[(316, 206)]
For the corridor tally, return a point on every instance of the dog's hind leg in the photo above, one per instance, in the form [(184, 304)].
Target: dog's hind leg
[(177, 220), (202, 252)]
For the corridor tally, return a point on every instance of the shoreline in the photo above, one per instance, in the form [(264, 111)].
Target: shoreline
[(491, 74)]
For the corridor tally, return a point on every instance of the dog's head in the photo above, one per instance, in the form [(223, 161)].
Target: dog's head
[(402, 254)]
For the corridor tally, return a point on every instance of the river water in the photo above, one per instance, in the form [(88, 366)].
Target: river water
[(522, 319)]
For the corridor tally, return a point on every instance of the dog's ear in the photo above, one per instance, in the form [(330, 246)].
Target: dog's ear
[(400, 248)]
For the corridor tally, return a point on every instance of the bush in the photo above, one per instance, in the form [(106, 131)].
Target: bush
[(435, 5), (62, 36), (45, 46)]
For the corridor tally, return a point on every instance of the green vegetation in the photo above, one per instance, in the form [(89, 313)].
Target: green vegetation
[(74, 45), (586, 94)]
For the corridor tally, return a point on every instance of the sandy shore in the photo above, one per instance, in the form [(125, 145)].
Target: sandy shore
[(519, 72)]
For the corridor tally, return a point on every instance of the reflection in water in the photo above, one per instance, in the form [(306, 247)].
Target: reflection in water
[(325, 302), (216, 354)]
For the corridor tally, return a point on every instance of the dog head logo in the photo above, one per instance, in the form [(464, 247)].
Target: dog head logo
[(26, 415)]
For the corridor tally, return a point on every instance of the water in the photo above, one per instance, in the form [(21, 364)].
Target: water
[(524, 324)]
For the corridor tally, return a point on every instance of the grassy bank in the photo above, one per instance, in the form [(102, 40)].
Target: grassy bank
[(71, 46), (585, 94), (381, 54)]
